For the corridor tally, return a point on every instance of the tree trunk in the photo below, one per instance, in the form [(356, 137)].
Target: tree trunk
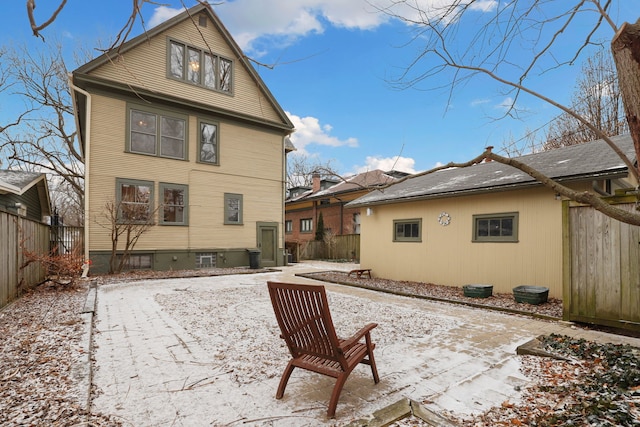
[(625, 47)]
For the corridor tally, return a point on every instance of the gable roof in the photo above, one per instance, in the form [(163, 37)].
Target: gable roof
[(362, 181), (591, 160), (82, 72), (19, 182)]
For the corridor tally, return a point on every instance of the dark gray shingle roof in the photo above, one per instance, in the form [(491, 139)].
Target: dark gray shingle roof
[(578, 162), (17, 182)]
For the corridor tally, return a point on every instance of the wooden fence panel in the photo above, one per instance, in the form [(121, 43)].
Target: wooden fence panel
[(17, 233), (604, 279), (346, 247), (8, 261)]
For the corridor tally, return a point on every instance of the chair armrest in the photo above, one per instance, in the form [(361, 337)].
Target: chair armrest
[(349, 342)]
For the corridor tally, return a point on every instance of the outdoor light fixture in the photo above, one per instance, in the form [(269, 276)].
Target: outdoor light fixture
[(369, 211)]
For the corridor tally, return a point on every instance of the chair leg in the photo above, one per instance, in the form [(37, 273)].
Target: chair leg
[(284, 380), (374, 369), (335, 395), (372, 361)]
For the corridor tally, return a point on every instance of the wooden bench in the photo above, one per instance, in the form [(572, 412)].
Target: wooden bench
[(361, 272)]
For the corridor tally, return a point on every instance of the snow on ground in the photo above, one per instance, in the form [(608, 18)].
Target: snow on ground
[(206, 351)]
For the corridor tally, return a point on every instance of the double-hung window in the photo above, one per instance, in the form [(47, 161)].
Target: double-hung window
[(174, 204), (232, 208), (502, 227), (157, 133), (407, 230), (200, 67), (134, 200), (306, 225), (288, 226)]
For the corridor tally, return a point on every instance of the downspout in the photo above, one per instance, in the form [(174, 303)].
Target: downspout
[(85, 152), (341, 214), (284, 197)]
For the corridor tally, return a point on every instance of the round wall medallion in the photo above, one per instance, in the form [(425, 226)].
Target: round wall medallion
[(444, 218)]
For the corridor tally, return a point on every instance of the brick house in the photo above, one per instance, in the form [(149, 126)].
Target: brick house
[(328, 197)]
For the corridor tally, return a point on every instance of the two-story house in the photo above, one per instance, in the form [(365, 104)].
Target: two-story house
[(178, 127)]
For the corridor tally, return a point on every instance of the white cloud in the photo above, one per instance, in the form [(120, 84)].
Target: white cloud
[(163, 13), (478, 102), (506, 104), (403, 164), (286, 20), (310, 131), (442, 11), (484, 5)]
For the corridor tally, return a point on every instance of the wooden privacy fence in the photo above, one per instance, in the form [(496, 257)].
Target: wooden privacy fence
[(338, 247), (19, 234), (16, 233), (601, 268)]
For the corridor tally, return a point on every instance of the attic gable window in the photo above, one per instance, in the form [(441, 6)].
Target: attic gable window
[(200, 67)]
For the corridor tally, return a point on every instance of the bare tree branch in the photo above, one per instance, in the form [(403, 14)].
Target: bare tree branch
[(496, 49), (36, 28)]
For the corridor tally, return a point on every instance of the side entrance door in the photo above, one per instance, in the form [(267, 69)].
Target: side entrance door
[(268, 243)]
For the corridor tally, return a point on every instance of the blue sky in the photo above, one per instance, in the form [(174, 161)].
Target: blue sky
[(334, 61)]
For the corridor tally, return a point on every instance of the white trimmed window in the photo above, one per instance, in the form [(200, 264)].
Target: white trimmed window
[(306, 225)]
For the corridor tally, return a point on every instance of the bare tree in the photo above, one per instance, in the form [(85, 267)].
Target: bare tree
[(596, 97), (6, 83), (300, 170), (518, 147), (126, 223), (504, 36), (45, 139)]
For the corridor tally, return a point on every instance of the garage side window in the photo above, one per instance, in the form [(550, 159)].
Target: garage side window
[(407, 230), (502, 227)]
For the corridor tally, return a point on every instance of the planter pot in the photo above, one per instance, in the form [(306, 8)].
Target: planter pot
[(477, 291), (531, 294)]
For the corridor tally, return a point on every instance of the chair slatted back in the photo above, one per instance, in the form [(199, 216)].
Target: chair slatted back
[(303, 315)]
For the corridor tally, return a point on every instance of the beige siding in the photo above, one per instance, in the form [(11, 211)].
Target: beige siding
[(447, 254), (250, 164), (145, 66)]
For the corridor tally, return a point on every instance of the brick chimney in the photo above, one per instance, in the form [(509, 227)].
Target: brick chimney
[(489, 148), (315, 186)]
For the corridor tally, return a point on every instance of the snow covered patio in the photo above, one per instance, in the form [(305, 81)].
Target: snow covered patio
[(206, 351)]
